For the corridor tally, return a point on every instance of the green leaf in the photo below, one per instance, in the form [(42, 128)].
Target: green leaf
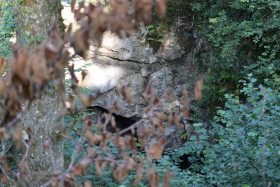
[(152, 32), (150, 27), (160, 40), (197, 124)]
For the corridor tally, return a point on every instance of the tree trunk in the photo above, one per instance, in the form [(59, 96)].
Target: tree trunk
[(32, 20)]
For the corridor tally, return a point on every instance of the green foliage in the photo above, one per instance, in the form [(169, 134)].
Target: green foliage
[(158, 27), (243, 38), (218, 82), (242, 146), (7, 27), (242, 29), (154, 34)]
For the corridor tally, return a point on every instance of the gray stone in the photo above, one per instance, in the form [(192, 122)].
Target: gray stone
[(131, 60)]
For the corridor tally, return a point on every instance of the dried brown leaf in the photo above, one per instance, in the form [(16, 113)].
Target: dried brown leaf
[(156, 101), (17, 135), (104, 164), (4, 179), (87, 183), (161, 116), (149, 91), (156, 150), (177, 122), (2, 66), (81, 44), (128, 97), (166, 179), (161, 8), (185, 97), (115, 107), (92, 139), (85, 98), (2, 86), (139, 174), (170, 120), (198, 89), (122, 144), (186, 113), (29, 131), (120, 173), (116, 139), (161, 128), (153, 177), (113, 122), (50, 51), (71, 70), (80, 166), (131, 142), (84, 74), (146, 131), (3, 134), (122, 91), (98, 168)]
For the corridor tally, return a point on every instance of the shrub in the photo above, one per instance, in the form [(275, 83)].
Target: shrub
[(242, 147)]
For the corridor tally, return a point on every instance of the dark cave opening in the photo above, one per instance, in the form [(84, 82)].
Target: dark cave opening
[(191, 162), (184, 162), (121, 121)]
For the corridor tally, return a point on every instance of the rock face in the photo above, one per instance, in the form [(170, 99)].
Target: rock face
[(122, 61), (132, 61)]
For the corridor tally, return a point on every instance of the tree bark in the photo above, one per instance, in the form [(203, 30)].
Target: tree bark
[(33, 18)]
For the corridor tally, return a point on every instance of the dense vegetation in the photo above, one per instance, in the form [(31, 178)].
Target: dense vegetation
[(241, 147)]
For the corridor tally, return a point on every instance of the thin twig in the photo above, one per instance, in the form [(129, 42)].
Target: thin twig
[(26, 152), (5, 173)]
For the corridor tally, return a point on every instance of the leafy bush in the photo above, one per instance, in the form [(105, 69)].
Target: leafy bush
[(242, 36), (242, 147), (7, 27)]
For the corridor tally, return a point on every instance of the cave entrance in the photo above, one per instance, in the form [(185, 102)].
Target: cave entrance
[(121, 121)]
